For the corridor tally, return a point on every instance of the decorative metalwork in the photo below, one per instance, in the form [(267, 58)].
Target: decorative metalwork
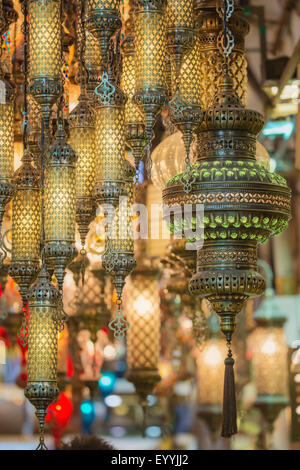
[(6, 144), (9, 14), (42, 389), (119, 259), (103, 20), (142, 307), (150, 61), (91, 57), (45, 54), (82, 140), (26, 226), (209, 26), (110, 141), (180, 31), (244, 205), (60, 206), (136, 137)]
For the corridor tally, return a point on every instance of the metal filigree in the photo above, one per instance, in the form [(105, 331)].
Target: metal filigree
[(60, 206), (103, 20), (26, 226), (41, 389), (82, 140)]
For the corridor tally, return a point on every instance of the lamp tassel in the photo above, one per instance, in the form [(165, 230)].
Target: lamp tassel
[(229, 425)]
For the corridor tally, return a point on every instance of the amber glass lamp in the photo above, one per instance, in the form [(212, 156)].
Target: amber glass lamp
[(143, 336), (82, 141), (60, 206), (6, 145), (150, 59), (42, 389), (45, 53)]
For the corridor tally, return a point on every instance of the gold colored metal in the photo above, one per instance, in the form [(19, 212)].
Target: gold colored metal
[(60, 206), (82, 140), (135, 127), (110, 142), (150, 59), (142, 309), (26, 226), (209, 26), (180, 30), (45, 53), (42, 389), (6, 146), (103, 20)]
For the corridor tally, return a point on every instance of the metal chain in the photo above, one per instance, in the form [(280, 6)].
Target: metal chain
[(24, 30)]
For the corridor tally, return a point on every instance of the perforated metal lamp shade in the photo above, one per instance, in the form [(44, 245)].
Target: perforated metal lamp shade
[(150, 59), (82, 140), (60, 206), (136, 137), (42, 389), (103, 19), (26, 226), (45, 53), (142, 308)]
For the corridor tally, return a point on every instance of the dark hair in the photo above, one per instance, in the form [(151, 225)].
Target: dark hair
[(86, 443)]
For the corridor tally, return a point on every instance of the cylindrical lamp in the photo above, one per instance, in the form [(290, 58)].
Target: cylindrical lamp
[(150, 59), (180, 31), (209, 26), (143, 336), (103, 20), (110, 142), (119, 258), (6, 146), (42, 389), (60, 206), (26, 227), (45, 53), (82, 140), (270, 364), (135, 127)]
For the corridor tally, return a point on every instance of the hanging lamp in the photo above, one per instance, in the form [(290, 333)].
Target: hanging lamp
[(150, 61), (119, 258), (41, 389), (136, 137), (45, 55), (103, 20), (60, 206), (142, 308), (244, 205), (209, 27), (180, 31)]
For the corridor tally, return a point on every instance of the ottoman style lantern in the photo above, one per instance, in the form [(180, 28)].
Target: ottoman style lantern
[(244, 205)]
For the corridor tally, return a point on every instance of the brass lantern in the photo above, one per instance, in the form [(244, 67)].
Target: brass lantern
[(26, 226), (103, 20), (6, 145), (110, 141), (143, 337), (135, 127), (42, 389), (91, 57), (150, 60), (119, 258), (209, 27), (270, 364), (45, 54), (244, 205), (180, 31), (60, 206), (82, 140)]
